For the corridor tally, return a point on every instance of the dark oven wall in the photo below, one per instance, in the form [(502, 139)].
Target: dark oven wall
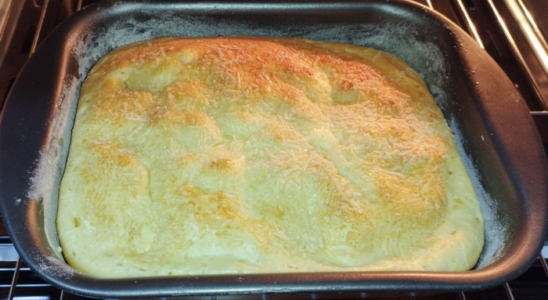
[(493, 24)]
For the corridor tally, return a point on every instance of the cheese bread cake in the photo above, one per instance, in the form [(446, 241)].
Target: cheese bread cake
[(262, 155)]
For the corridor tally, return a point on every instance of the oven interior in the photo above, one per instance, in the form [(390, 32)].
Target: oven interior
[(511, 31)]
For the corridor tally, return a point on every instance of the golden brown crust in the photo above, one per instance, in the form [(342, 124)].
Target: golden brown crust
[(244, 154)]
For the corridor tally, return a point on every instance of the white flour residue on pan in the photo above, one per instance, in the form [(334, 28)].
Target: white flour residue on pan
[(45, 182), (424, 56), (55, 268), (495, 230)]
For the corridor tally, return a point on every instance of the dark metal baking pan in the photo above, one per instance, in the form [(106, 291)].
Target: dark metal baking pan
[(497, 136)]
